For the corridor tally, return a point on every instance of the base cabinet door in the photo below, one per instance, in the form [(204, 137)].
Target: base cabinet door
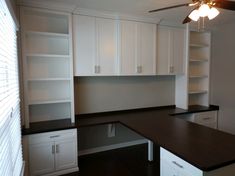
[(66, 154), (41, 159), (53, 153)]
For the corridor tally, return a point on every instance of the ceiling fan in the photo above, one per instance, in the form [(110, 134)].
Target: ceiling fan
[(203, 8)]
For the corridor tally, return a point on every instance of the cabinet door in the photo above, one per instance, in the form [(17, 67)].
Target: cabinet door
[(146, 49), (128, 48), (163, 50), (41, 158), (171, 51), (66, 154), (178, 53), (84, 45), (106, 36)]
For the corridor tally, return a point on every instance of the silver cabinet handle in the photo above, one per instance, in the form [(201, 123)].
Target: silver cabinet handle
[(171, 69), (57, 149), (139, 69), (97, 69), (56, 136), (177, 164), (53, 149)]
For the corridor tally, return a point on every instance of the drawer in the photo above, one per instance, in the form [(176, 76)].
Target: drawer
[(179, 164), (205, 117), (52, 136)]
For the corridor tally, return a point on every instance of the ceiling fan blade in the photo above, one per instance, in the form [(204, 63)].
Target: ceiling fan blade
[(171, 7), (224, 4), (187, 20)]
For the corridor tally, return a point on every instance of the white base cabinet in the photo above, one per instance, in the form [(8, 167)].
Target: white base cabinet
[(53, 153), (208, 119), (171, 165)]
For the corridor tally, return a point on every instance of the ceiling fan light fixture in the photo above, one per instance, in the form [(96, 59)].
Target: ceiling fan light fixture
[(213, 13), (204, 10), (194, 15)]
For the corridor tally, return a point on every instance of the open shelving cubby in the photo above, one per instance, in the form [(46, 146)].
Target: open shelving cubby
[(199, 68), (47, 65)]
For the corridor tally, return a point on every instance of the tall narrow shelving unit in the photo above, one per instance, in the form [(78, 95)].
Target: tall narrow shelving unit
[(199, 68), (47, 65)]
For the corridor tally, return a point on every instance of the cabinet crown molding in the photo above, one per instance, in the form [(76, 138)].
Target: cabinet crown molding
[(71, 8), (115, 16), (64, 7)]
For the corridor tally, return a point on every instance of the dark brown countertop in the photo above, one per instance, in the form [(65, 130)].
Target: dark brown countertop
[(205, 148), (48, 126)]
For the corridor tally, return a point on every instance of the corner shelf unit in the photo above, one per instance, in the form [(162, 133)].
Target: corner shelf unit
[(47, 65), (199, 68)]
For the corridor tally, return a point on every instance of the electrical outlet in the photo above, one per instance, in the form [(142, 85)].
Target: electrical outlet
[(111, 130)]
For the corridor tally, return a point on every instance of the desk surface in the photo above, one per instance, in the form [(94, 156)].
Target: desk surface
[(205, 148)]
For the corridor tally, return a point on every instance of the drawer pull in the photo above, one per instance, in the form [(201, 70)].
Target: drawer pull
[(53, 149), (56, 136), (57, 149), (177, 164), (206, 118)]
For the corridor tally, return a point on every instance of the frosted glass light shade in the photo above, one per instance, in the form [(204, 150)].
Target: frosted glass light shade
[(213, 13), (204, 10), (194, 15)]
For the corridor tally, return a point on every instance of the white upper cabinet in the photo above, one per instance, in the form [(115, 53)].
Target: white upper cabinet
[(128, 46), (106, 31), (84, 45), (137, 48), (95, 46), (171, 51)]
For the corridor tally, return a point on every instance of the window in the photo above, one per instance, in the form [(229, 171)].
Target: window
[(10, 136)]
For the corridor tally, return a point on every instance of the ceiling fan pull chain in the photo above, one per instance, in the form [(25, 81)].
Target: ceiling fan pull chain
[(199, 25), (203, 23)]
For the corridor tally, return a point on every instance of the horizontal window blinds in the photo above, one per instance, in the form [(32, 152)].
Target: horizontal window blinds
[(10, 133)]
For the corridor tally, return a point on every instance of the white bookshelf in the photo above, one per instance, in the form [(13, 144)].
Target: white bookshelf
[(47, 65), (199, 68)]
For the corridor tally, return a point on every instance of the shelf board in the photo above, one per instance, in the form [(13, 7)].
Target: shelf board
[(198, 45), (49, 79), (47, 34), (197, 91), (49, 102), (47, 55), (198, 60), (198, 76)]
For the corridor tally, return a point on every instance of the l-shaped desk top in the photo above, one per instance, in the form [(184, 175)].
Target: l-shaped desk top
[(203, 147)]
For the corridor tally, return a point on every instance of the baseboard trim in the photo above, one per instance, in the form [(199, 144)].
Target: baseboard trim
[(62, 172), (111, 147)]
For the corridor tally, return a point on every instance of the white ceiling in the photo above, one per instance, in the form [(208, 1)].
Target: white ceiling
[(141, 7)]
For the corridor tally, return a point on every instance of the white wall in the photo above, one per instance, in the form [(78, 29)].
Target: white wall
[(223, 75)]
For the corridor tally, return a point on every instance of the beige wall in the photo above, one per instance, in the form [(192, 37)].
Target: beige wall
[(223, 75), (98, 94)]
